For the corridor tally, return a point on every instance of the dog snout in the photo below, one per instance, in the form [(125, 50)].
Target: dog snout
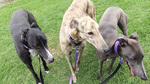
[(144, 78), (106, 50), (51, 60)]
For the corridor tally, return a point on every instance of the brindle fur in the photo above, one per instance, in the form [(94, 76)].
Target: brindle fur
[(80, 23)]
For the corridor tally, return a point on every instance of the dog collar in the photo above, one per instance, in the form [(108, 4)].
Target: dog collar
[(26, 47), (71, 39), (24, 44), (76, 44), (116, 47)]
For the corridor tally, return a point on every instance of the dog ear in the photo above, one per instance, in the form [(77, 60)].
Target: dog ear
[(134, 36), (23, 34), (123, 42), (34, 25), (73, 23)]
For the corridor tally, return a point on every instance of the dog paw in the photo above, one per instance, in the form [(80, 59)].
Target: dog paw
[(39, 83), (76, 71), (74, 81), (99, 77), (47, 71), (108, 60), (109, 71)]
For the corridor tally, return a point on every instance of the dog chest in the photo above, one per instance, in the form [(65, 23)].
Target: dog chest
[(33, 53)]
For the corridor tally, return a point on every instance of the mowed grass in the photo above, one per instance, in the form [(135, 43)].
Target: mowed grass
[(49, 14)]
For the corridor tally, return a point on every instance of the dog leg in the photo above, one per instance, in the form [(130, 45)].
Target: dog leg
[(80, 54), (100, 70), (111, 65), (67, 49), (78, 61), (69, 59), (30, 67), (45, 66), (101, 57), (122, 23)]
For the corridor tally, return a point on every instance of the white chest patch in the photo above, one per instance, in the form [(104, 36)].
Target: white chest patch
[(33, 53)]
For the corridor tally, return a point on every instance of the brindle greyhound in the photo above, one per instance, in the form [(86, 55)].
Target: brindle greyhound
[(79, 23), (129, 47)]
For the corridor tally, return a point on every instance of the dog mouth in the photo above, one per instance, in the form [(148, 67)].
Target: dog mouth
[(131, 69), (47, 56)]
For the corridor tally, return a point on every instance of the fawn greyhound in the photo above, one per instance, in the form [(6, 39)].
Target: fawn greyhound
[(79, 23), (129, 47)]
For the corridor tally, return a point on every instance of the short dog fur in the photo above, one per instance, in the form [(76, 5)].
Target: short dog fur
[(80, 23), (26, 32), (129, 47)]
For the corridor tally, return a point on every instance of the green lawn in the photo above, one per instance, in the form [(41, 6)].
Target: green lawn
[(49, 14)]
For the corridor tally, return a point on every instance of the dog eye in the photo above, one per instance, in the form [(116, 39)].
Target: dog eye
[(90, 33), (132, 59), (38, 45)]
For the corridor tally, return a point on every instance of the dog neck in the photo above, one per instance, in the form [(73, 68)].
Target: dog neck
[(116, 47), (119, 41), (76, 44), (25, 43), (33, 52)]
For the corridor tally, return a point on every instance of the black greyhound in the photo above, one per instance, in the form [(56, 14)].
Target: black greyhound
[(29, 40)]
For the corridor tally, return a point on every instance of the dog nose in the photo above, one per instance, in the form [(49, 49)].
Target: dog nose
[(51, 60), (144, 78), (106, 50)]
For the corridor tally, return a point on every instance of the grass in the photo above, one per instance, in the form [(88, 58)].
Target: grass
[(49, 14)]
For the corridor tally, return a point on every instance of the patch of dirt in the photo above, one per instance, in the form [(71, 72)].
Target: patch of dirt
[(3, 2)]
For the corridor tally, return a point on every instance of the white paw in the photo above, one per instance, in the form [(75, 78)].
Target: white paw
[(108, 60), (39, 83), (47, 72), (74, 81), (76, 71)]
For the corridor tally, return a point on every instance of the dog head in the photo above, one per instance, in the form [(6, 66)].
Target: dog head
[(131, 51), (85, 28), (35, 39)]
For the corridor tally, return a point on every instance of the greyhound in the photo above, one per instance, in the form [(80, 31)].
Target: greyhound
[(79, 23), (29, 40), (129, 47)]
